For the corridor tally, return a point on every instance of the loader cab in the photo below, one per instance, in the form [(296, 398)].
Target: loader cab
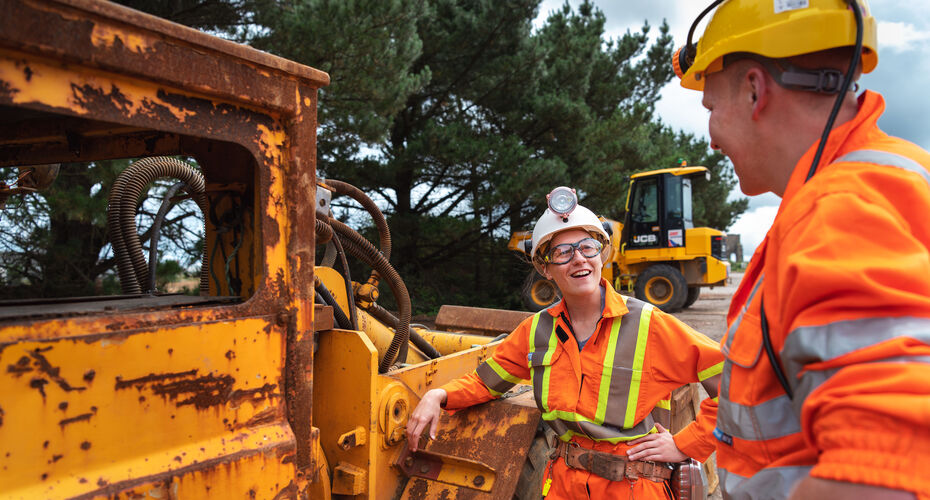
[(659, 208)]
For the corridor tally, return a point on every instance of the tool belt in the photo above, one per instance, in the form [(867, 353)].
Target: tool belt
[(608, 465)]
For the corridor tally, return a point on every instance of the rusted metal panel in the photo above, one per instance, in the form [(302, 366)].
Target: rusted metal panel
[(112, 37), (110, 412), (480, 320), (497, 434)]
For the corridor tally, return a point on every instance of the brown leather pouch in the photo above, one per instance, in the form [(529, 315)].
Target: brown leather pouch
[(687, 481)]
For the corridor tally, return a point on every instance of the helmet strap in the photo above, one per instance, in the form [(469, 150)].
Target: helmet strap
[(789, 76)]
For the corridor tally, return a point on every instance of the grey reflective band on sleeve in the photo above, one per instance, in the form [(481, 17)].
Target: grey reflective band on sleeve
[(885, 158), (739, 319), (771, 483), (813, 344), (772, 419)]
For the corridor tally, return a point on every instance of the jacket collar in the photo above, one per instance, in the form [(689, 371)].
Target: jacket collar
[(614, 303), (843, 139)]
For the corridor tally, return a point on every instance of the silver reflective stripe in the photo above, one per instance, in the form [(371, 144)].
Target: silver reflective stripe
[(772, 483), (772, 419), (739, 318), (814, 378), (813, 344), (885, 158)]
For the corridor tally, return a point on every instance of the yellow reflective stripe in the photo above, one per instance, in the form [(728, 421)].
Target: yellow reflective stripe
[(641, 337), (607, 372), (502, 373), (493, 392), (547, 363), (710, 372), (532, 335), (665, 404)]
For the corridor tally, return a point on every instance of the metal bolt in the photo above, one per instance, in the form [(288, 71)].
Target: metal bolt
[(478, 481), (424, 468), (408, 461)]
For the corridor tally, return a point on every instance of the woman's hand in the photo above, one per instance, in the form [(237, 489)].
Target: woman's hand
[(658, 447), (426, 413)]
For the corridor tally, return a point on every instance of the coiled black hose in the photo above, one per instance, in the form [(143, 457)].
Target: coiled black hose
[(342, 321), (121, 214), (383, 315), (384, 232), (361, 248)]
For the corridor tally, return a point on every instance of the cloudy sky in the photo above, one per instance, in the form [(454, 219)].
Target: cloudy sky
[(902, 76)]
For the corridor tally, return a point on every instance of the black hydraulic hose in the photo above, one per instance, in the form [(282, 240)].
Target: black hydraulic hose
[(156, 231), (347, 280), (342, 321), (383, 315), (384, 232), (358, 246)]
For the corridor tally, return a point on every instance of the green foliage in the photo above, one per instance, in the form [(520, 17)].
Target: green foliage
[(458, 116), (54, 242)]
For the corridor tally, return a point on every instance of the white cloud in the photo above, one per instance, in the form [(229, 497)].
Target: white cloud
[(901, 37)]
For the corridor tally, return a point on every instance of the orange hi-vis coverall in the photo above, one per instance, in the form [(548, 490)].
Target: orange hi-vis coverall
[(606, 394), (844, 275)]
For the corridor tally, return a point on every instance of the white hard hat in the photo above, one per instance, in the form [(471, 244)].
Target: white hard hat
[(551, 223)]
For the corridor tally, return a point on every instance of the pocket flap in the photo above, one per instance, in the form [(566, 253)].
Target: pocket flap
[(744, 348)]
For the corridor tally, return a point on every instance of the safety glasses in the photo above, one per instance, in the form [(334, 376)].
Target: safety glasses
[(562, 254)]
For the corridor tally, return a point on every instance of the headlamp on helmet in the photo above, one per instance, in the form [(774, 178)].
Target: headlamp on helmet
[(562, 201)]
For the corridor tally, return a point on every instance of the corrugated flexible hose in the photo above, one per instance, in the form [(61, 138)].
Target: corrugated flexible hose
[(121, 216)]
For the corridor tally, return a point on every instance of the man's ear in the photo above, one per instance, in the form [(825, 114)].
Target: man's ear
[(758, 85)]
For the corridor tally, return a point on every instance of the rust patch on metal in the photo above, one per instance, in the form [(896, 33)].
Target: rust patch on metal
[(113, 490), (89, 376), (230, 355), (142, 381), (1, 416), (289, 491), (39, 383), (63, 405), (21, 367), (261, 418), (55, 458), (203, 392), (85, 445), (36, 362), (80, 418)]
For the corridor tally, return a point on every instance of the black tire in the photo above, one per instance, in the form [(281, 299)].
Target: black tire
[(529, 485), (663, 286), (693, 293), (539, 293)]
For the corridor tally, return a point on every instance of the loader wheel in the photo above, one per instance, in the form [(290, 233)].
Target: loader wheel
[(662, 286), (693, 293), (529, 485), (539, 293)]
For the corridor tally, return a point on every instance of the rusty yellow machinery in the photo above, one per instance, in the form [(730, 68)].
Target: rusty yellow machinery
[(657, 253), (282, 377)]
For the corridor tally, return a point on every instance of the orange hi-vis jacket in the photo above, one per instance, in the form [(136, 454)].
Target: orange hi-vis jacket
[(844, 275), (610, 392)]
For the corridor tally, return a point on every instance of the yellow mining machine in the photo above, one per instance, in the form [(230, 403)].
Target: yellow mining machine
[(282, 377)]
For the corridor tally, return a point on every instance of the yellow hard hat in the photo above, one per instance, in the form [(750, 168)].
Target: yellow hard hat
[(775, 29)]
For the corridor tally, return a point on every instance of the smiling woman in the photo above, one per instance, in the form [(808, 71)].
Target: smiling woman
[(602, 367)]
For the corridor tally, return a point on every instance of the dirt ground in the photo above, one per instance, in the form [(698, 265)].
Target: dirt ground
[(709, 314)]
